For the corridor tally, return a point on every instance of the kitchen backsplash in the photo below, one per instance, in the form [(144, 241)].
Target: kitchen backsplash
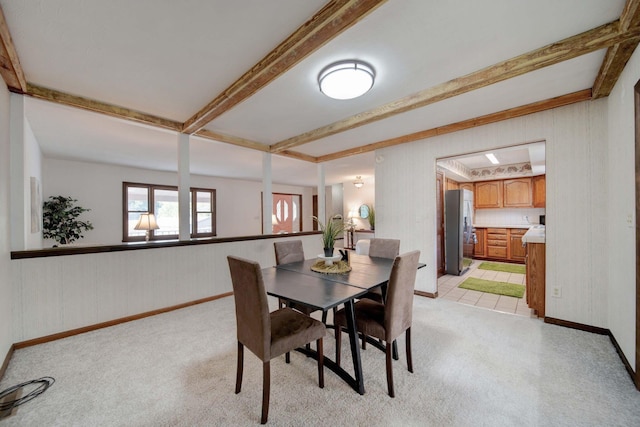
[(504, 217)]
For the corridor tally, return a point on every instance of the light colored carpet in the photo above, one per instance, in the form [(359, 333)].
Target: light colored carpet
[(473, 367)]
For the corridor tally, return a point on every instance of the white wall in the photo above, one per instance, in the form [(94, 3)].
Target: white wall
[(356, 197), (32, 168), (99, 188), (6, 311), (621, 202), (576, 178), (57, 294)]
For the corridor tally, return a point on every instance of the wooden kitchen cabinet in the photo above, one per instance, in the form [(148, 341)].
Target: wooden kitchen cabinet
[(467, 186), (488, 194), (539, 192), (535, 277), (517, 193), (480, 248), (497, 243), (517, 252)]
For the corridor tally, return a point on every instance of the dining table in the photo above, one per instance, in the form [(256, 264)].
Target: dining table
[(297, 282)]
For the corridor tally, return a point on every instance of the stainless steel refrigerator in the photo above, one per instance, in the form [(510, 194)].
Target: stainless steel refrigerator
[(459, 233)]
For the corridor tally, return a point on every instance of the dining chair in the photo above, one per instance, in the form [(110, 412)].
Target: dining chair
[(292, 251), (265, 334), (382, 248), (387, 321)]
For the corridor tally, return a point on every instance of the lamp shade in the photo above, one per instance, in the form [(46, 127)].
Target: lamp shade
[(147, 221), (346, 79), (358, 182)]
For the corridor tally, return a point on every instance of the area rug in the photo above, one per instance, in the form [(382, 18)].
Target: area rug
[(499, 288), (508, 268)]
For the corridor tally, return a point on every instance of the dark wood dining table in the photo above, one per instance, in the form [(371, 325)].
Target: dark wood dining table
[(298, 283)]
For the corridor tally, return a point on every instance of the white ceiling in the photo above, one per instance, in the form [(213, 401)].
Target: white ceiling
[(170, 59)]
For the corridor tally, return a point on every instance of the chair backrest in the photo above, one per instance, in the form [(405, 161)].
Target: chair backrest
[(384, 248), (289, 251), (398, 309), (252, 307)]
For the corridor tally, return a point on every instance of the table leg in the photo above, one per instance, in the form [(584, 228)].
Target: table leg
[(355, 347)]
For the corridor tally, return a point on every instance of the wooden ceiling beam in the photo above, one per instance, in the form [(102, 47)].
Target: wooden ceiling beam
[(618, 55), (330, 21), (100, 107), (10, 67), (572, 98), (234, 140), (590, 41)]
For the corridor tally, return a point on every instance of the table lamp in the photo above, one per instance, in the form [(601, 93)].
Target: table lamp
[(147, 222)]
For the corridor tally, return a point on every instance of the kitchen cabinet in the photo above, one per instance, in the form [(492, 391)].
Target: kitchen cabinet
[(480, 248), (539, 193), (535, 277), (517, 252), (487, 194), (517, 193), (467, 186), (497, 243)]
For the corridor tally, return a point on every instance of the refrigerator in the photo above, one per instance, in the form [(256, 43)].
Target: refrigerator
[(459, 233)]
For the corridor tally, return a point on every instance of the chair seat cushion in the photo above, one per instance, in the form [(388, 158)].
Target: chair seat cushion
[(291, 329), (369, 318)]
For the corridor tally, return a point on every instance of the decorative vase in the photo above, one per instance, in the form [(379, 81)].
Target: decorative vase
[(328, 252)]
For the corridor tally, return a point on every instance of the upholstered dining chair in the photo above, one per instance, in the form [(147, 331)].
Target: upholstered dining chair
[(387, 321), (265, 334), (382, 248), (292, 251)]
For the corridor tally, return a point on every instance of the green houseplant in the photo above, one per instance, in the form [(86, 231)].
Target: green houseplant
[(60, 220), (372, 217), (330, 232)]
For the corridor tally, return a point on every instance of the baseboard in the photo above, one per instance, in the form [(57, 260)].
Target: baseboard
[(97, 326), (601, 331), (426, 294), (5, 364)]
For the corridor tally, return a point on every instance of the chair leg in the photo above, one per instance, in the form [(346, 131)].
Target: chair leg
[(338, 332), (239, 368), (324, 317), (388, 352), (408, 345), (287, 357), (364, 341), (395, 350), (266, 386), (320, 363)]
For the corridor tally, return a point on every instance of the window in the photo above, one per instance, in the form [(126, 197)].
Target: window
[(162, 201)]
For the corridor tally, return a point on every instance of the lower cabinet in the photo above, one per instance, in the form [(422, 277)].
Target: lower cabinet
[(535, 277), (500, 244)]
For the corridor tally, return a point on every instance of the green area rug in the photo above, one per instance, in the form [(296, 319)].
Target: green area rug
[(508, 268), (499, 288)]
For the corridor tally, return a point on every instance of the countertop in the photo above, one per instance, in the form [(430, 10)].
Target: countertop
[(535, 234), (504, 226)]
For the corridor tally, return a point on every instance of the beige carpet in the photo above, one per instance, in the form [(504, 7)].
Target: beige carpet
[(473, 367)]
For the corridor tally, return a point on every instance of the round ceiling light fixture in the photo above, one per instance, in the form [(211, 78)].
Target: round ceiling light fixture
[(346, 79)]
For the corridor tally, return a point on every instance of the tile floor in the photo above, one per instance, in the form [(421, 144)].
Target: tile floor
[(448, 289)]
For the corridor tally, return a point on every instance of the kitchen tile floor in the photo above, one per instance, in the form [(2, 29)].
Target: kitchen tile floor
[(448, 289)]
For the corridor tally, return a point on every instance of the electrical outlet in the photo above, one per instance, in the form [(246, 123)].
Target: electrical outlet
[(557, 293)]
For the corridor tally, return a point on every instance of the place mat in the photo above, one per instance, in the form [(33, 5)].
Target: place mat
[(338, 267)]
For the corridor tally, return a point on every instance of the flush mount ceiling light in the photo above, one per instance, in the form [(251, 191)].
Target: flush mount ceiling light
[(346, 79), (358, 182)]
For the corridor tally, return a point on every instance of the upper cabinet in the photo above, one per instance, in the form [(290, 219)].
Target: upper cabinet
[(488, 194), (539, 191), (467, 186), (517, 193)]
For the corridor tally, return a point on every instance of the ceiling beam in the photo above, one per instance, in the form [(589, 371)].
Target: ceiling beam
[(572, 98), (617, 55), (234, 140), (10, 67), (569, 48), (330, 21), (100, 107)]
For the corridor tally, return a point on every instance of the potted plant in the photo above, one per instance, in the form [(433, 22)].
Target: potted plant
[(372, 217), (60, 220), (330, 232)]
